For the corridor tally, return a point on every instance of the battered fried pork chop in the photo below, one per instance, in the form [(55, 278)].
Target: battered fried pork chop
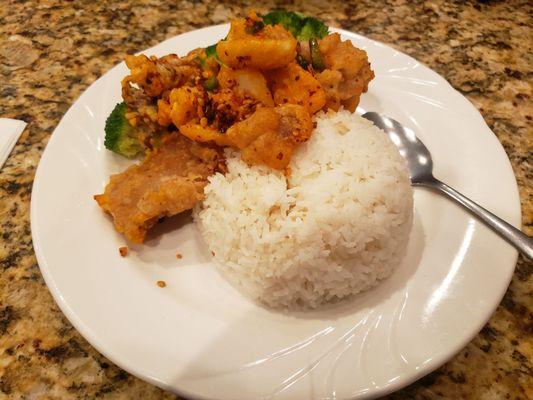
[(169, 181)]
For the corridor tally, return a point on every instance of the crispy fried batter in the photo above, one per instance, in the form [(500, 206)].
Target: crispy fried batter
[(147, 87), (293, 84), (347, 72), (270, 135), (185, 103), (204, 134), (271, 46), (155, 75), (170, 180), (219, 112)]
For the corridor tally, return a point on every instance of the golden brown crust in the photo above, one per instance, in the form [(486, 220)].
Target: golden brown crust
[(267, 48), (270, 135), (347, 72), (294, 85)]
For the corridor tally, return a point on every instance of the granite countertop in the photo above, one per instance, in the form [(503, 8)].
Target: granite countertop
[(51, 51)]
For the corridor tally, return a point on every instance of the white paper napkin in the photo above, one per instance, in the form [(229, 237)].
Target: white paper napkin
[(10, 130)]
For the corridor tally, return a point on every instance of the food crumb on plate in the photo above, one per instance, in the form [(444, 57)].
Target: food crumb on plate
[(213, 253), (179, 256), (123, 251), (161, 284)]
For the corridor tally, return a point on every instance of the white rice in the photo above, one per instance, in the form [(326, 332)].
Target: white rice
[(337, 226)]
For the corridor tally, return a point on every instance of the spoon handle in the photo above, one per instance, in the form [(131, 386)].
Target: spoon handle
[(518, 239)]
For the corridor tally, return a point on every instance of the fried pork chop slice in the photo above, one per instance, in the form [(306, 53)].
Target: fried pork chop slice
[(169, 181)]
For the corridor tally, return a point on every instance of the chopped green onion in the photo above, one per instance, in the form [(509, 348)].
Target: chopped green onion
[(211, 83), (317, 59), (211, 51)]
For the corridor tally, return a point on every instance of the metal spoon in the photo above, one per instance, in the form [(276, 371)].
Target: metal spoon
[(420, 167)]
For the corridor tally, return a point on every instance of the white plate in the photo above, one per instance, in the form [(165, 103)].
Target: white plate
[(200, 338)]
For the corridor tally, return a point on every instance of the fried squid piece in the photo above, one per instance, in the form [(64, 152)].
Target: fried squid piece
[(185, 104), (347, 72), (149, 82), (246, 82), (219, 112), (155, 75), (293, 84), (170, 180), (270, 135), (204, 134), (251, 43)]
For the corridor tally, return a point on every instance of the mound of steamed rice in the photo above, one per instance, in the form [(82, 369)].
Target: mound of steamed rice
[(334, 228)]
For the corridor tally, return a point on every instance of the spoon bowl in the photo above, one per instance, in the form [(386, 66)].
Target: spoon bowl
[(420, 167), (411, 148)]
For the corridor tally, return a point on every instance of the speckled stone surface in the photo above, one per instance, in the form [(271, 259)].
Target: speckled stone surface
[(50, 51)]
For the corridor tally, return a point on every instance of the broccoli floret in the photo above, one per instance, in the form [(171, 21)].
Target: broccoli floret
[(312, 29), (302, 27), (291, 21), (120, 136), (211, 51)]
